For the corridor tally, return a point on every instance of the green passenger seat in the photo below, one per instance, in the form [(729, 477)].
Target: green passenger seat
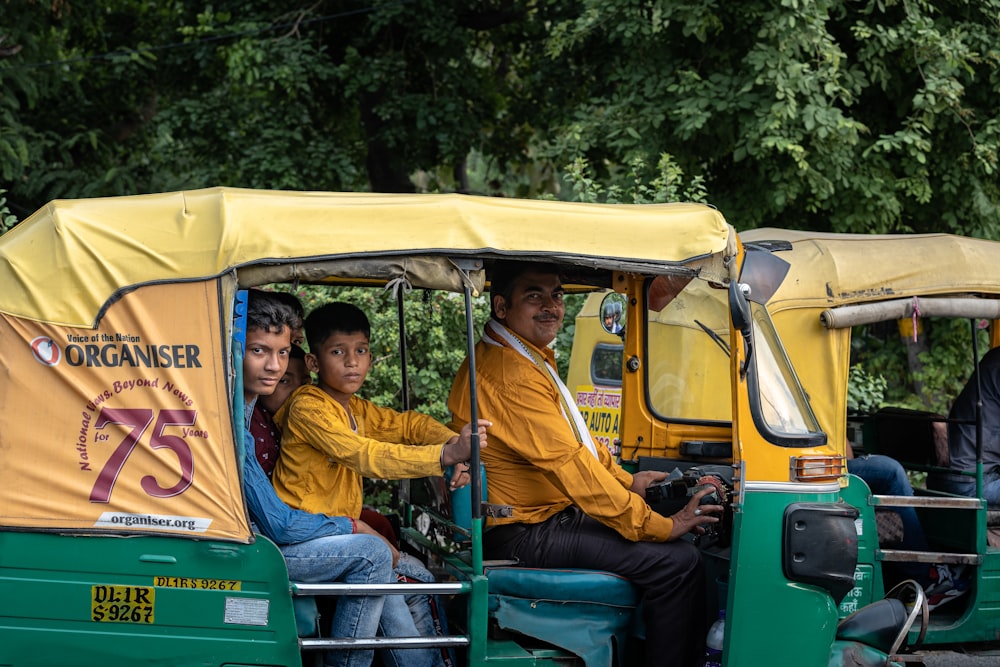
[(589, 613)]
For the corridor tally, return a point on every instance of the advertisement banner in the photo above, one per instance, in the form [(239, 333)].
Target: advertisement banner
[(601, 408), (124, 428)]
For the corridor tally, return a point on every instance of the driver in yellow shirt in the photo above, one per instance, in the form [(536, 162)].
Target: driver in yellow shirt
[(573, 506)]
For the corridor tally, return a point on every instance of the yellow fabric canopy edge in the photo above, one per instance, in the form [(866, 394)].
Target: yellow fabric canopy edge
[(63, 263), (830, 269)]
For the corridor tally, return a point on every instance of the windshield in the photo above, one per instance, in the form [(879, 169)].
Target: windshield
[(688, 373), (687, 356), (780, 408)]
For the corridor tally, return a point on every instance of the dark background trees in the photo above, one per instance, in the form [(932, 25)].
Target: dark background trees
[(861, 116), (846, 116)]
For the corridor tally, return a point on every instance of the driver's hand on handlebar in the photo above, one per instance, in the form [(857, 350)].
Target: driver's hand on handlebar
[(642, 480), (693, 517)]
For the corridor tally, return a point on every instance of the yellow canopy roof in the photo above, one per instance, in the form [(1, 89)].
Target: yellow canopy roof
[(830, 270), (64, 263)]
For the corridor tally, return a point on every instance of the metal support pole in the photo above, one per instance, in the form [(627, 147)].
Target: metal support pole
[(477, 482), (979, 410)]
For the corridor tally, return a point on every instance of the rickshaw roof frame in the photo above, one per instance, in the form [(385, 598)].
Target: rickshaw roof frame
[(65, 263), (831, 270)]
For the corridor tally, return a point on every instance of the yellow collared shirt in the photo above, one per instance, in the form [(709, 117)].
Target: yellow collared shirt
[(323, 461), (534, 461)]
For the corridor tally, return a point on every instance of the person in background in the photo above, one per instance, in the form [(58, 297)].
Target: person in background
[(962, 435), (292, 301), (266, 436), (885, 476), (612, 317)]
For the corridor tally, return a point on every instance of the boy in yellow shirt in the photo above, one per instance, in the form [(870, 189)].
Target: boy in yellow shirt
[(331, 438)]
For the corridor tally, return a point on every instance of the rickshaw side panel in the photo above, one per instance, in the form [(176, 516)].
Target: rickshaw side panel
[(125, 539), (807, 621), (188, 602), (125, 427)]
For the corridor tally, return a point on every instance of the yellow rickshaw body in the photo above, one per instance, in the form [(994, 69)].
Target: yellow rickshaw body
[(829, 271)]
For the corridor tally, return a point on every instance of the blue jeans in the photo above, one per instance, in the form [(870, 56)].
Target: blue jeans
[(966, 486), (397, 621), (358, 559), (353, 559), (885, 476), (420, 605)]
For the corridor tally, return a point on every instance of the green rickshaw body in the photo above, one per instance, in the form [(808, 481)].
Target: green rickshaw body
[(144, 600), (807, 613)]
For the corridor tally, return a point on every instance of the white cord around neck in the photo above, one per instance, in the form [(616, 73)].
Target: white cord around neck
[(575, 419)]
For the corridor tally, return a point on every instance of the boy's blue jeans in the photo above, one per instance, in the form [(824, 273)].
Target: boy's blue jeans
[(420, 605), (357, 559)]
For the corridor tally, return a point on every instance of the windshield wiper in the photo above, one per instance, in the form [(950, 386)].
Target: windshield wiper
[(716, 337)]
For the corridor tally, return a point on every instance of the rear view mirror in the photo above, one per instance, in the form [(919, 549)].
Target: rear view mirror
[(739, 310), (739, 306), (763, 272), (613, 313)]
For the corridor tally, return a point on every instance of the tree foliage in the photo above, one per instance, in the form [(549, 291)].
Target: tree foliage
[(834, 115), (872, 116), (881, 375)]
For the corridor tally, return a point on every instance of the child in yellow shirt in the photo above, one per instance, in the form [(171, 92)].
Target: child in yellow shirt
[(332, 438)]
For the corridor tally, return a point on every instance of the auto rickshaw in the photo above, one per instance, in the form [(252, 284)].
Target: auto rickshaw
[(124, 533), (837, 282)]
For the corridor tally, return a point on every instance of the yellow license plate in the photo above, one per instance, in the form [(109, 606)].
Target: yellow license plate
[(198, 584), (122, 604)]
